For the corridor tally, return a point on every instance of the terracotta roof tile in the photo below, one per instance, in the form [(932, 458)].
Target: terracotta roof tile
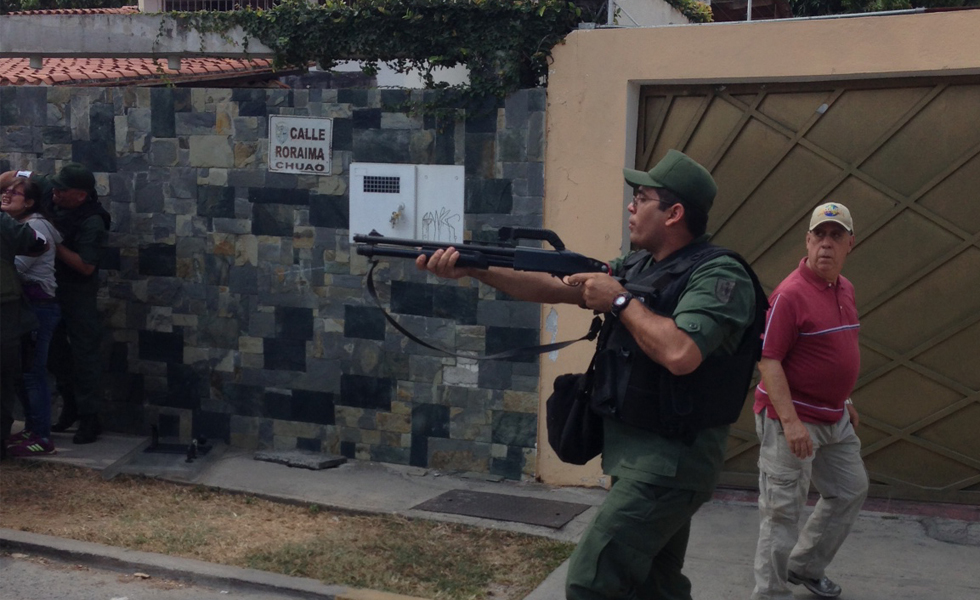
[(123, 10), (122, 71)]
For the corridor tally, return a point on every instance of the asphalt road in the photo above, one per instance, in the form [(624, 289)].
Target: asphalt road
[(28, 577)]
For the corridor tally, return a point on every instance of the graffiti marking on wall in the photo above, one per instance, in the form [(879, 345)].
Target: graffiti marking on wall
[(440, 225)]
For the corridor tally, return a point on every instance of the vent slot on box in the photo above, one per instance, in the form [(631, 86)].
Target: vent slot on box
[(376, 184)]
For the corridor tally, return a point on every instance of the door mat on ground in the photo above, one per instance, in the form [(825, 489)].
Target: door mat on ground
[(298, 458), (501, 507)]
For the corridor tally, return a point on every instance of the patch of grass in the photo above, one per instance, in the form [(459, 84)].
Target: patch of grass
[(443, 560), (428, 559)]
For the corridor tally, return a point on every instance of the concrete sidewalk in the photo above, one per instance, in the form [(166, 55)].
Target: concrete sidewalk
[(889, 555)]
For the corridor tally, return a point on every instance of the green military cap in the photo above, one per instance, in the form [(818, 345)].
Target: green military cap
[(680, 174), (74, 176)]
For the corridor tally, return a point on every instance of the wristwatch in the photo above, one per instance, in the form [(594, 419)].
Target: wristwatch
[(619, 303)]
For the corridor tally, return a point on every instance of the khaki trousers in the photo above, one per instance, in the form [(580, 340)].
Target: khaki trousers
[(838, 474)]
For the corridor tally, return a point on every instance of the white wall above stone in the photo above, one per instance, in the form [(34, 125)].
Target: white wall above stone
[(117, 36)]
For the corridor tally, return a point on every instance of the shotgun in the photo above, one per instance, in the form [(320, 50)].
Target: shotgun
[(505, 253)]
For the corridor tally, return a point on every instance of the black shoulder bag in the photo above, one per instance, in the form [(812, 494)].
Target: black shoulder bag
[(574, 430)]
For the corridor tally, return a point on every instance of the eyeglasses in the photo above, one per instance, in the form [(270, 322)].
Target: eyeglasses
[(639, 198), (12, 192)]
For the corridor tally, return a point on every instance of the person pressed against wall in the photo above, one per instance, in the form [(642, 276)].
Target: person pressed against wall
[(804, 416), (635, 546), (22, 200), (75, 352), (15, 238)]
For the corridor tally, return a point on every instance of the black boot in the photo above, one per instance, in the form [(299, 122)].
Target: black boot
[(89, 429)]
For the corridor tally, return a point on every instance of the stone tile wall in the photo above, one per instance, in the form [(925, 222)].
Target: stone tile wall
[(233, 303)]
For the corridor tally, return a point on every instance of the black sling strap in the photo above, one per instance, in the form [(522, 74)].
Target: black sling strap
[(513, 352)]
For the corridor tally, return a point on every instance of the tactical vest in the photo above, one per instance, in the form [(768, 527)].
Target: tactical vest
[(69, 222), (632, 388)]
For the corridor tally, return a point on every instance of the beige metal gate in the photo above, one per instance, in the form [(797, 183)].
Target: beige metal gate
[(904, 156)]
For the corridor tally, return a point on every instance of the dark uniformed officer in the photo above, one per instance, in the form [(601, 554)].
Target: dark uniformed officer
[(674, 363), (75, 351)]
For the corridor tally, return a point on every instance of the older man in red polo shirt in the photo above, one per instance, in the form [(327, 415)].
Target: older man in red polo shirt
[(804, 416)]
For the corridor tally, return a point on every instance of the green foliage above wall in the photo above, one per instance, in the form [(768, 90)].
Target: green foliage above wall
[(505, 44), (696, 12), (814, 8)]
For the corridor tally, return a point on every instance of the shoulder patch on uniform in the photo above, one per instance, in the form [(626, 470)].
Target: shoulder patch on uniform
[(724, 289)]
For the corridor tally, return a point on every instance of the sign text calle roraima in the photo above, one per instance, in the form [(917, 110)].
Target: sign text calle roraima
[(300, 145)]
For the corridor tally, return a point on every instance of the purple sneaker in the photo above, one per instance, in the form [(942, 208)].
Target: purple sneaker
[(19, 438), (32, 447)]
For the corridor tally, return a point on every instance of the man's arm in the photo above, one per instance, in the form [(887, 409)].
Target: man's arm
[(853, 414), (777, 386), (73, 260), (37, 250), (528, 286), (29, 257), (703, 321), (21, 237), (658, 336), (5, 179), (89, 244), (661, 339)]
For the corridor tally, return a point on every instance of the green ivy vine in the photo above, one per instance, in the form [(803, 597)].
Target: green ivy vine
[(506, 44), (697, 12)]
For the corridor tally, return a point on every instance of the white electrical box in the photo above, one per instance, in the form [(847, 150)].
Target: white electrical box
[(407, 201)]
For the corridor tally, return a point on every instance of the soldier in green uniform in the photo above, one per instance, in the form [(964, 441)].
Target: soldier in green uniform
[(15, 238), (674, 362), (75, 351)]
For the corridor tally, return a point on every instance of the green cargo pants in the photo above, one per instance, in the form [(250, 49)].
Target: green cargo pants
[(76, 349), (635, 546), (10, 367)]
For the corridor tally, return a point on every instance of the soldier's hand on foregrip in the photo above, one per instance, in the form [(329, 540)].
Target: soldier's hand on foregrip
[(442, 263), (598, 289)]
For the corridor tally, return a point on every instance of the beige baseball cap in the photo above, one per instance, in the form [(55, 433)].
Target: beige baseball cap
[(832, 211)]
